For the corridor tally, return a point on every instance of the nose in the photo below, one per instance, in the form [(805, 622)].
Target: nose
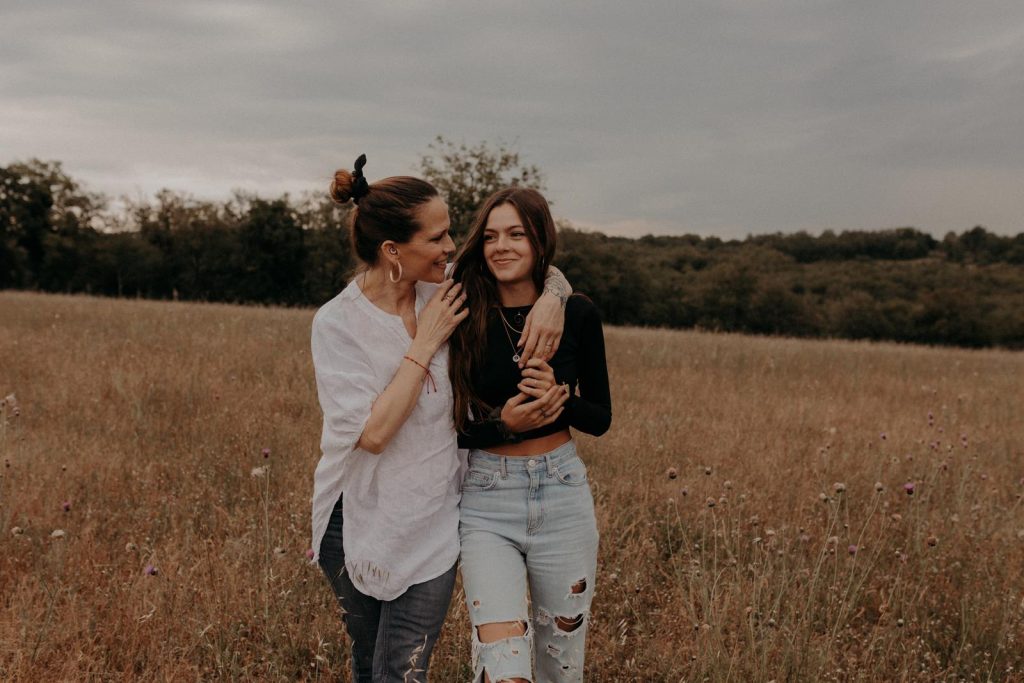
[(449, 245)]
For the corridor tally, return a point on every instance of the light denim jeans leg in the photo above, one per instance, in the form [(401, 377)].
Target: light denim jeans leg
[(527, 524)]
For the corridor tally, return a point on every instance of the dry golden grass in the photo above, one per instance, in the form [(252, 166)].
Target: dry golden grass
[(148, 419)]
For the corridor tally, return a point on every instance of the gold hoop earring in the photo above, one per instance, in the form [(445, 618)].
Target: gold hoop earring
[(391, 271)]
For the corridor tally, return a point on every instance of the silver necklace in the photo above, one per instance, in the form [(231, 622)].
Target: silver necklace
[(505, 326)]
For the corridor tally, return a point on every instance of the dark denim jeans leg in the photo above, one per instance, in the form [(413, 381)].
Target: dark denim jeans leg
[(360, 613), (391, 641)]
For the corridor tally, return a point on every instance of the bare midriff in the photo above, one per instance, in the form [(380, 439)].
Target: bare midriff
[(537, 446)]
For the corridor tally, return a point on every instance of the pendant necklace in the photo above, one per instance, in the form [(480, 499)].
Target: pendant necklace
[(505, 326)]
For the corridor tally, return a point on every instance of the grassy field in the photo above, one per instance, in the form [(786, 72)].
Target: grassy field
[(769, 508)]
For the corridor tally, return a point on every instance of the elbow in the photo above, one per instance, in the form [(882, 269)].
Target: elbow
[(372, 443)]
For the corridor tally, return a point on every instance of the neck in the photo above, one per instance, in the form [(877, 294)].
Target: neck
[(393, 297), (517, 293)]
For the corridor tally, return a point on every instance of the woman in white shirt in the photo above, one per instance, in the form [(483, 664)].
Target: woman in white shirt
[(389, 443)]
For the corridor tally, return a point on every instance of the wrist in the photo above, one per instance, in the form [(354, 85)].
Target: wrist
[(421, 352), (503, 427)]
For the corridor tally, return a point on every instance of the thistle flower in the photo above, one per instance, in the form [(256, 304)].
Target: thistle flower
[(266, 452), (711, 502), (672, 473), (839, 487), (151, 570), (933, 540), (707, 470), (310, 554), (66, 506), (879, 486), (17, 531), (130, 547), (57, 533), (258, 472), (909, 488), (279, 550), (852, 549), (882, 436)]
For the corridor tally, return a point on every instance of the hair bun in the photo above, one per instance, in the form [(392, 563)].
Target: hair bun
[(350, 185)]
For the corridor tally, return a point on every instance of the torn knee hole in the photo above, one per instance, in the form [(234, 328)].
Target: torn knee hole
[(569, 624), (580, 586), (502, 630)]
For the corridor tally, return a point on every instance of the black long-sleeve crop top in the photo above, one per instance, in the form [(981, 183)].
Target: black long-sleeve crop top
[(579, 361)]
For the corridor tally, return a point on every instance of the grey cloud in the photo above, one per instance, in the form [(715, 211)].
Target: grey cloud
[(722, 117)]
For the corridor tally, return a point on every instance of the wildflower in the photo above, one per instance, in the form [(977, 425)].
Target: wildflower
[(804, 538), (266, 452), (130, 547), (852, 549), (823, 498), (57, 533), (685, 492), (879, 487), (896, 517), (770, 533), (707, 470), (12, 401), (151, 570), (672, 473), (839, 487), (258, 472), (909, 488), (279, 550), (710, 502), (933, 540), (882, 436), (66, 506), (309, 554), (899, 622), (17, 531), (832, 540), (727, 484)]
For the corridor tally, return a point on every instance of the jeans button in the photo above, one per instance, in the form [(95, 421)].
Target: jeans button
[(531, 463)]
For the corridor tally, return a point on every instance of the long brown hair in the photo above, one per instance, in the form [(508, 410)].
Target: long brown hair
[(467, 343)]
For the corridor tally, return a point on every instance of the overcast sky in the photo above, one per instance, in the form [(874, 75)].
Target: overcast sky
[(725, 117)]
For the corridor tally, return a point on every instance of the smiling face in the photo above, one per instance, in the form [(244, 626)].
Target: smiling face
[(426, 254), (507, 249)]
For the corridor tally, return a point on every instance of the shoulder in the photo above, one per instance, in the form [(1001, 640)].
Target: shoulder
[(580, 306), (337, 316)]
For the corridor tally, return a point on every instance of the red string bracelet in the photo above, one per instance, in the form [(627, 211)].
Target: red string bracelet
[(429, 376)]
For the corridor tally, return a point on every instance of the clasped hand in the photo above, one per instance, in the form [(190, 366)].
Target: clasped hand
[(540, 400)]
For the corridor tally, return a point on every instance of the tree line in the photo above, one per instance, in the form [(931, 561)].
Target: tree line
[(966, 289)]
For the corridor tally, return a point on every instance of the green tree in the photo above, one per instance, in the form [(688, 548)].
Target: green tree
[(467, 175)]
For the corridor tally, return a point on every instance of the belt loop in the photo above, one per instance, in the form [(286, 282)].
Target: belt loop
[(551, 467), (504, 467)]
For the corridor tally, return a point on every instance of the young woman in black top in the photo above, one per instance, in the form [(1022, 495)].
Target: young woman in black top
[(527, 515)]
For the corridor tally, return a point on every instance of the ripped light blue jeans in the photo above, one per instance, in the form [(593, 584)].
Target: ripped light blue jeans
[(528, 522)]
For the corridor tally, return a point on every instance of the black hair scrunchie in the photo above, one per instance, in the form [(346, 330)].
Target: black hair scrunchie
[(360, 187)]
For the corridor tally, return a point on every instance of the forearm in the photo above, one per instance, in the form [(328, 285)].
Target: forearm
[(588, 416), (394, 405), (556, 285)]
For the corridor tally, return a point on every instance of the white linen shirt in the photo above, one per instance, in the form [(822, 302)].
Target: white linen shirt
[(401, 517)]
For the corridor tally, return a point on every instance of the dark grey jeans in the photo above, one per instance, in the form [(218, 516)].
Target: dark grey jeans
[(391, 640)]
